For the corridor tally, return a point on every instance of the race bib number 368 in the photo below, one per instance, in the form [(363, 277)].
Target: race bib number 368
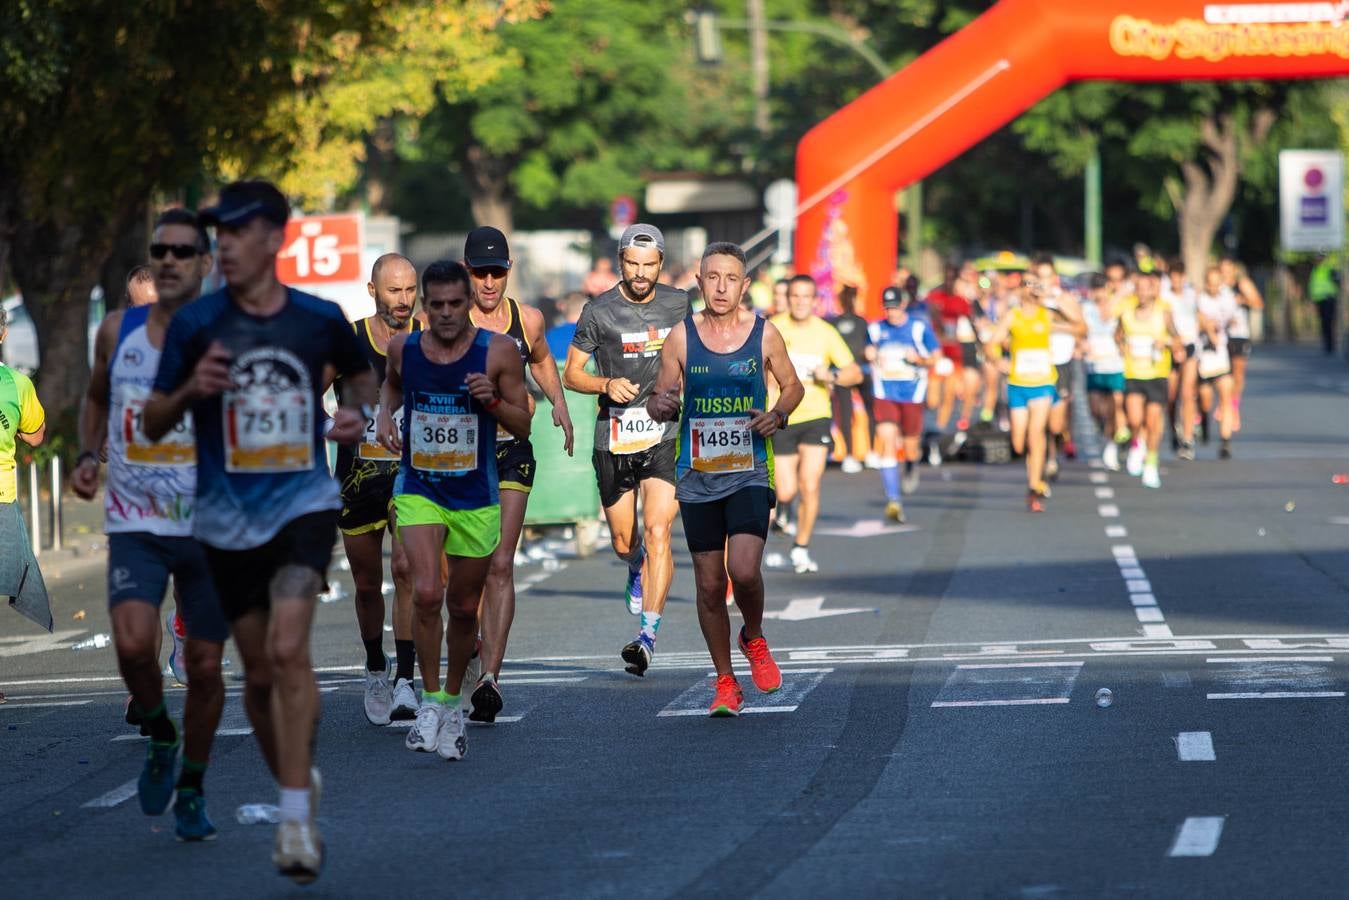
[(722, 444), (446, 443)]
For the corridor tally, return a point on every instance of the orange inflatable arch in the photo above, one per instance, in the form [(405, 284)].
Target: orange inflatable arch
[(850, 165)]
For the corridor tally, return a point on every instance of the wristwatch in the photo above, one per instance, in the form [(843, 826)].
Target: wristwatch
[(782, 418)]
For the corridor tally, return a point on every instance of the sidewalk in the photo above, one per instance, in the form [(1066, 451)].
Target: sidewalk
[(84, 546)]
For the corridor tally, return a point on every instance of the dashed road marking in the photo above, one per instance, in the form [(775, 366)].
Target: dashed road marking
[(1098, 478), (1105, 493), (1116, 531), (1195, 746), (1108, 511), (1138, 585), (795, 687), (1143, 599), (1276, 695), (1009, 684), (1157, 631), (1149, 614), (117, 795), (1198, 836)]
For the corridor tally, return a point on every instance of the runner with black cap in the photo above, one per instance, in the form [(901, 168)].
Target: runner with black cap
[(250, 362), (624, 329), (488, 259)]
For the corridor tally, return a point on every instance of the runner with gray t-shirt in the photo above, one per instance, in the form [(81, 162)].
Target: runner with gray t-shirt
[(624, 329)]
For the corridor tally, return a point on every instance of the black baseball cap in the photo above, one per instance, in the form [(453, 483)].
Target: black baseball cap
[(242, 201), (892, 297), (486, 247)]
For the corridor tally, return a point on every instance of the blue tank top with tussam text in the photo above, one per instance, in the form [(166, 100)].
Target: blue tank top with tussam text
[(718, 453), (449, 439)]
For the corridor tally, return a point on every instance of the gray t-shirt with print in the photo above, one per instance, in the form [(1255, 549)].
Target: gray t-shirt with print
[(625, 339)]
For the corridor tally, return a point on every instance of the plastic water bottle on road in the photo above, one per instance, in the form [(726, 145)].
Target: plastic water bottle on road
[(97, 642), (257, 814), (1104, 698)]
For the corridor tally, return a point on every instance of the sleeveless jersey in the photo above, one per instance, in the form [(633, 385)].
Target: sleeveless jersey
[(151, 487), (516, 332), (1103, 357), (449, 440), (1147, 352), (368, 451), (718, 453), (1030, 339)]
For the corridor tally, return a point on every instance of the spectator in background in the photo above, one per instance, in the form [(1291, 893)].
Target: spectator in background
[(1323, 289), (760, 295), (780, 296), (854, 330), (21, 418), (569, 311), (600, 278), (140, 287)]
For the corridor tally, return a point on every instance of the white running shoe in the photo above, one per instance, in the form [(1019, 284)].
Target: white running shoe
[(404, 700), (1110, 456), (802, 562), (1151, 477), (873, 461), (298, 851), (378, 697), (425, 731), (177, 658), (933, 454), (1133, 463), (908, 482), (451, 742), (851, 466)]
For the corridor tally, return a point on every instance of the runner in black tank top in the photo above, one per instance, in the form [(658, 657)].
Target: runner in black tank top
[(489, 263), (366, 473)]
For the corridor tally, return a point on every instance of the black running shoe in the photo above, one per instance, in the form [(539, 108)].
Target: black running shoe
[(133, 717), (1225, 451), (637, 654), (486, 700)]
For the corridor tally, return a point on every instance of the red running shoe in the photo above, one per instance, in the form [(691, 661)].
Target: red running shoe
[(762, 668), (728, 698), (1034, 502), (1070, 449)]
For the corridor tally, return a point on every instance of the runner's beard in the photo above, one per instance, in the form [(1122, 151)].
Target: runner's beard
[(632, 291), (386, 316)]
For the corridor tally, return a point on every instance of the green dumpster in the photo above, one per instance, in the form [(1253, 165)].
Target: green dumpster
[(565, 492)]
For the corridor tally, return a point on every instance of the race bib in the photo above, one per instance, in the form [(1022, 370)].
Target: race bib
[(944, 367), (269, 431), (893, 365), (964, 331), (805, 365), (445, 443), (1062, 346), (722, 444), (1032, 364), (177, 448), (1214, 363), (631, 430), (370, 448), (1142, 346)]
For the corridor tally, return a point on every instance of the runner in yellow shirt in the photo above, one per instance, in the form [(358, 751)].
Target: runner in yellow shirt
[(1149, 341), (21, 419), (801, 450)]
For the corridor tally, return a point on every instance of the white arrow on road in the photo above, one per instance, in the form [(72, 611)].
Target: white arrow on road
[(22, 645), (812, 608), (866, 528)]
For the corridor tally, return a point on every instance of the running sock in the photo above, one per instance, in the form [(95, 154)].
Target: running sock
[(294, 804), (375, 660), (890, 478), (908, 467), (406, 651), (1152, 459), (190, 778), (439, 697), (161, 727), (650, 622)]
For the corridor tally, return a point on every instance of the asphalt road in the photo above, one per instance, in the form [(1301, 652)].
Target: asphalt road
[(938, 734)]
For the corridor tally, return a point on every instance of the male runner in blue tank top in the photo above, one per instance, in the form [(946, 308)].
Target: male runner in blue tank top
[(149, 503), (251, 363), (455, 383), (725, 460)]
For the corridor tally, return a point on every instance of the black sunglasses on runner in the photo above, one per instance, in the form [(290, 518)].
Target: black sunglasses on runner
[(497, 272), (179, 251)]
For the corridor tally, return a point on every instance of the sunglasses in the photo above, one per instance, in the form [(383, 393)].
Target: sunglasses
[(497, 272), (179, 251)]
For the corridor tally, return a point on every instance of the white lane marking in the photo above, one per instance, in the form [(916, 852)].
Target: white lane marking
[(1099, 478), (1277, 695), (1134, 574), (1022, 665), (1198, 836), (1157, 631), (531, 680), (21, 645), (1149, 614), (1143, 599), (1095, 464), (1024, 701), (1138, 586), (223, 732), (1108, 511), (1119, 550), (500, 720), (536, 578), (1116, 531), (1245, 660), (45, 703), (119, 794), (1195, 746), (746, 710), (806, 608), (1105, 493)]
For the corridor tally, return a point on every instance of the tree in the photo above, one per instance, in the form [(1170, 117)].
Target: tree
[(102, 104)]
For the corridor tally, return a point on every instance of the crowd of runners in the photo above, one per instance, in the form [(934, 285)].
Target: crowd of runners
[(209, 414)]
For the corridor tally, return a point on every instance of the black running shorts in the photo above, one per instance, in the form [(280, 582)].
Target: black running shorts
[(618, 473), (708, 525), (789, 440), (1154, 390), (515, 466), (243, 578)]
